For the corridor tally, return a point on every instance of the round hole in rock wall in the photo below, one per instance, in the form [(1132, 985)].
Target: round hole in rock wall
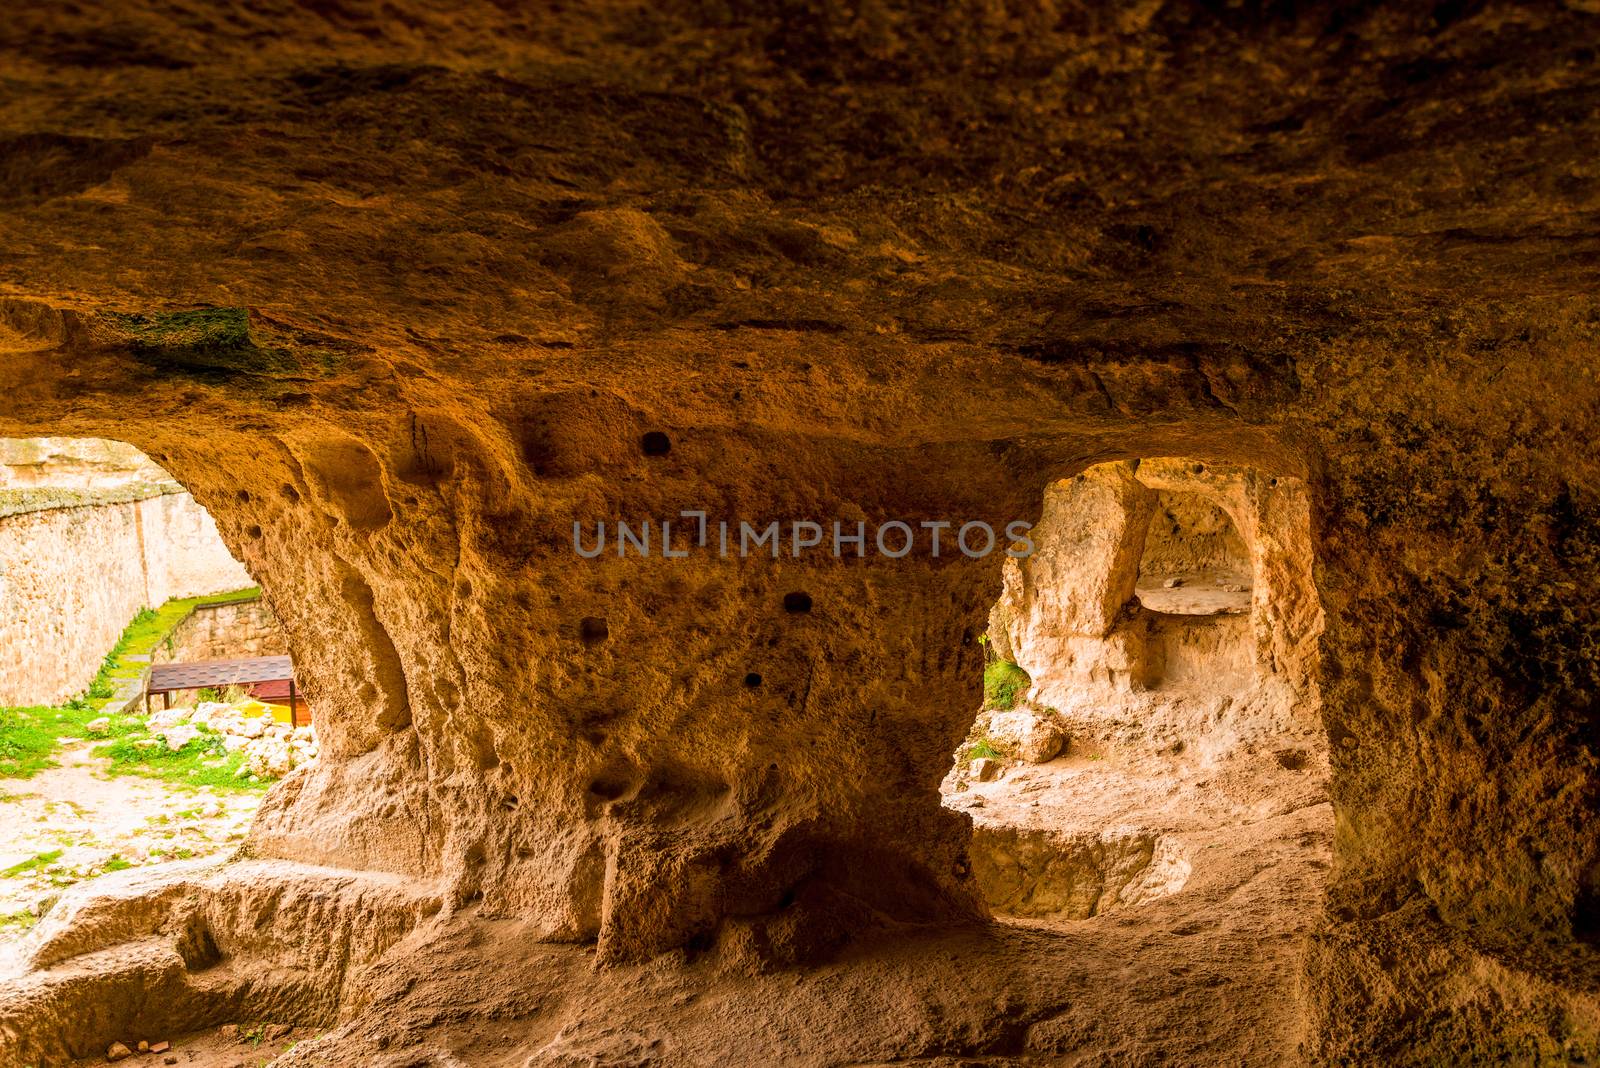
[(798, 602), (655, 443), (752, 680), (253, 531), (610, 785), (592, 630)]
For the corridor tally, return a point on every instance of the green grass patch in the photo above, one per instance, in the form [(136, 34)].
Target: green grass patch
[(151, 629), (981, 749), (202, 762), (31, 864), (1003, 683), (22, 919), (27, 738)]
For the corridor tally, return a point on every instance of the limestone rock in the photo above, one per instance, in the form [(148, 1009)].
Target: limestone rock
[(1027, 736), (98, 726), (169, 717), (268, 757), (117, 1051), (178, 736), (985, 768)]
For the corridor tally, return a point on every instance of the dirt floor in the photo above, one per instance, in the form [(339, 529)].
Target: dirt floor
[(229, 1046), (1205, 971), (76, 822)]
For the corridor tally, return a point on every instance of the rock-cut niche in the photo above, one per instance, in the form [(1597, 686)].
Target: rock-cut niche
[(1150, 690)]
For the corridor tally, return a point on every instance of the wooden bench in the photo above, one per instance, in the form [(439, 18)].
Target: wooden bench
[(267, 678)]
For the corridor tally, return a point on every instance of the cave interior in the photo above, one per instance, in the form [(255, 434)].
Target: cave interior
[(1293, 303)]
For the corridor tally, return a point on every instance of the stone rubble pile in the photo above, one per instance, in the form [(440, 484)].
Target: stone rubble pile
[(271, 749)]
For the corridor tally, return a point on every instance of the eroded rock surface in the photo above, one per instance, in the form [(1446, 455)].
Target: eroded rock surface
[(1056, 876), (398, 293)]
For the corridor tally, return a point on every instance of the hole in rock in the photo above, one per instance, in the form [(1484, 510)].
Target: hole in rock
[(752, 680), (593, 630), (146, 688), (611, 785), (797, 603), (1150, 719), (655, 443)]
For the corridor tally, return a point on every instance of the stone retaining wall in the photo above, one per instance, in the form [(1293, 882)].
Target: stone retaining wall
[(226, 631), (72, 577)]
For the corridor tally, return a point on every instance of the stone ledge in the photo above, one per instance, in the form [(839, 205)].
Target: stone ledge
[(195, 944), (47, 498)]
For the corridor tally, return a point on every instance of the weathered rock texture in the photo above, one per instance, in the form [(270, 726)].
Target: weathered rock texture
[(82, 550), (151, 952), (1177, 646), (1055, 876), (397, 292)]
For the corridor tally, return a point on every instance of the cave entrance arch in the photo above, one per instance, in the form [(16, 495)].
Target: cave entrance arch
[(112, 573), (1151, 692)]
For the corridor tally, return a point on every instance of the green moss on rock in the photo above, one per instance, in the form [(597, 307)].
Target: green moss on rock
[(219, 343)]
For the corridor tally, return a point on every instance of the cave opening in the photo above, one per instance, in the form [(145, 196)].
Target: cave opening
[(147, 696), (1151, 718), (1195, 562)]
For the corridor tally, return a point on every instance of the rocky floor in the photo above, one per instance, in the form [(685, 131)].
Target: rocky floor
[(75, 822), (1092, 789), (1202, 971), (1089, 832), (229, 1046), (1206, 976)]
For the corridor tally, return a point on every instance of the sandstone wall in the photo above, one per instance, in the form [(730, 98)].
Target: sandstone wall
[(1189, 533), (72, 578), (1068, 615), (184, 556)]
